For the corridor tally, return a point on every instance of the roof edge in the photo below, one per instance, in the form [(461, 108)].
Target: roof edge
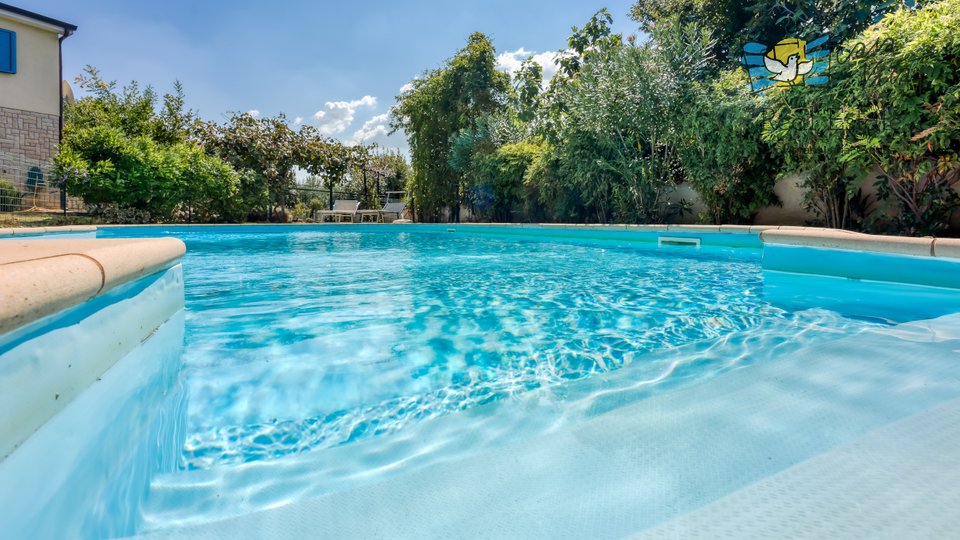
[(67, 27)]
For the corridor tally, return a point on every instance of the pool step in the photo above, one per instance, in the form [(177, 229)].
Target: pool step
[(636, 467), (899, 481), (197, 496)]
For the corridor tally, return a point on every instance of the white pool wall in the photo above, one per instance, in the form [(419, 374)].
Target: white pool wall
[(90, 382)]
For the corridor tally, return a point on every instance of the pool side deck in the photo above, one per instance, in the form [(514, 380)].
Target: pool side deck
[(42, 279)]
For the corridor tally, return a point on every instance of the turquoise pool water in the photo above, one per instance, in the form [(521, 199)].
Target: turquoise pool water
[(310, 340), (303, 343)]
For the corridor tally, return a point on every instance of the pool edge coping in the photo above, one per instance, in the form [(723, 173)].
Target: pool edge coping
[(42, 231), (58, 274), (41, 277)]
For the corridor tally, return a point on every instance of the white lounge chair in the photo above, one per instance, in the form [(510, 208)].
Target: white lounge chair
[(389, 209), (341, 209)]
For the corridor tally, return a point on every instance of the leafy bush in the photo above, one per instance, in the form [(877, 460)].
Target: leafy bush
[(500, 180), (442, 104), (619, 144), (721, 150), (891, 107), (132, 160), (899, 106), (10, 197), (621, 124), (107, 167)]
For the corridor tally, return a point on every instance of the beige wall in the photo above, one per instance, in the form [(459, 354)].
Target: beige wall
[(35, 87), (792, 212)]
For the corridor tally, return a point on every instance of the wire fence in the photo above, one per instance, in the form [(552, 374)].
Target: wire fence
[(30, 186), (27, 186)]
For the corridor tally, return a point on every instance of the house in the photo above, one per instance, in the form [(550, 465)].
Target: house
[(31, 103)]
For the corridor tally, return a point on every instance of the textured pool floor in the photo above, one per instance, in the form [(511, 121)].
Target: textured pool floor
[(654, 462), (899, 481)]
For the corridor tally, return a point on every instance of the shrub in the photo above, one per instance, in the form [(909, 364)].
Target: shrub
[(107, 168), (893, 109), (900, 110), (499, 184), (721, 150), (10, 197), (133, 160)]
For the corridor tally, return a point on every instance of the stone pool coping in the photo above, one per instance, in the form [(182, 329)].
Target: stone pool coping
[(40, 231), (41, 277)]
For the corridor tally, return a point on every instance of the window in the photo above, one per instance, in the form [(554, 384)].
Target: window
[(8, 51)]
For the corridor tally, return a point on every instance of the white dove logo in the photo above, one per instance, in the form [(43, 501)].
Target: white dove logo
[(792, 61), (789, 72)]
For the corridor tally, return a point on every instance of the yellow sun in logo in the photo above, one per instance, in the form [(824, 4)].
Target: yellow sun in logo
[(787, 62)]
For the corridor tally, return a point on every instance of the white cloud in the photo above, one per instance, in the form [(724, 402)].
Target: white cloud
[(378, 125), (510, 61), (298, 120), (409, 86), (254, 113), (338, 115)]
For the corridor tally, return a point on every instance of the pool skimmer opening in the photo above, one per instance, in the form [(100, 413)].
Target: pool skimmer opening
[(678, 241)]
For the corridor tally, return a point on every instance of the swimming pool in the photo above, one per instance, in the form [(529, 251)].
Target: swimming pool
[(570, 384)]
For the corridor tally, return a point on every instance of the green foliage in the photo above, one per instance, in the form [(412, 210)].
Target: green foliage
[(498, 186), (733, 23), (621, 105), (265, 149), (721, 150), (586, 41), (392, 169), (527, 86), (120, 151), (893, 110), (371, 174), (10, 197), (621, 124), (442, 104), (900, 112), (800, 128)]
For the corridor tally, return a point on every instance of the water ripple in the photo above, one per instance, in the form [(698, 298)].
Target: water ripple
[(323, 339)]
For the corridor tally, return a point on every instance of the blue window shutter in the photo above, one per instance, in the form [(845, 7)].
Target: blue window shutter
[(8, 51)]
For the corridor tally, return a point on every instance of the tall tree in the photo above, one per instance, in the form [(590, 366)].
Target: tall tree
[(133, 160), (265, 150), (440, 105)]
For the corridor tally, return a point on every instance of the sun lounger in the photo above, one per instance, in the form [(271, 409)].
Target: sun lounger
[(390, 209), (341, 209)]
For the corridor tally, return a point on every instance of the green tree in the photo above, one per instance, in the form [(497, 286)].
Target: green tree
[(721, 151), (265, 151), (800, 127), (892, 107), (622, 130), (440, 105), (527, 87), (899, 108), (327, 159), (123, 153), (733, 23)]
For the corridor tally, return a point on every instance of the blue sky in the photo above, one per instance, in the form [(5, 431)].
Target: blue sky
[(344, 60)]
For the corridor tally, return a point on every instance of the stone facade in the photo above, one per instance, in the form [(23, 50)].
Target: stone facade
[(27, 137), (28, 145)]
